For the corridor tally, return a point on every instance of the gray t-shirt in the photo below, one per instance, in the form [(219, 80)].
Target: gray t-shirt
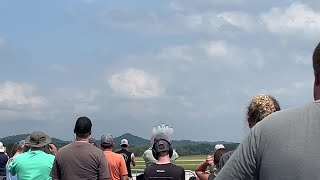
[(285, 145), (81, 161), (224, 158)]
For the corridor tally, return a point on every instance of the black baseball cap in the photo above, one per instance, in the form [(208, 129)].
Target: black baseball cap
[(83, 125), (161, 143)]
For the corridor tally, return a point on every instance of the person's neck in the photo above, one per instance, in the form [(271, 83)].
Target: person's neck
[(84, 140), (164, 160), (107, 149), (37, 149)]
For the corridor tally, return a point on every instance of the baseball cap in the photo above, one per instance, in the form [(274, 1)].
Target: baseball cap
[(1, 147), (124, 142), (219, 146), (107, 140), (83, 125), (161, 143)]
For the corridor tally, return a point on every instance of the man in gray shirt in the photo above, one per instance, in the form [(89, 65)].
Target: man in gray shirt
[(80, 160), (283, 146)]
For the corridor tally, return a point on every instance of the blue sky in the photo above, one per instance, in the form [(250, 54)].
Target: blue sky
[(132, 65)]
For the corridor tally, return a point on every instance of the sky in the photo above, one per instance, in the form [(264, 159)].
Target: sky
[(132, 65)]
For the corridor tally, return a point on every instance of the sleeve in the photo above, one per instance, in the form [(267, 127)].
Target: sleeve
[(55, 171), (11, 168), (103, 168), (123, 167), (243, 164), (211, 176), (174, 156), (132, 156), (148, 157)]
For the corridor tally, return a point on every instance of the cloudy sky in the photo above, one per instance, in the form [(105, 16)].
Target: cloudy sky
[(131, 65)]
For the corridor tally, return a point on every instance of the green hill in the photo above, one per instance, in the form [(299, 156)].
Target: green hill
[(138, 145)]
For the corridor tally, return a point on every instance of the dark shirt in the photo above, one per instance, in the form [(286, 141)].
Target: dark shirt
[(3, 161), (127, 157), (164, 172)]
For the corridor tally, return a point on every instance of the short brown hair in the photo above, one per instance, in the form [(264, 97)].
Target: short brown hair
[(316, 59)]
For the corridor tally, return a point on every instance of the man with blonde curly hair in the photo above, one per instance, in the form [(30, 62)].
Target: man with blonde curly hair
[(285, 145)]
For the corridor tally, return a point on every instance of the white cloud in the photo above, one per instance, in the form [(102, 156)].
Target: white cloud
[(217, 49), (296, 19), (14, 95), (3, 41), (240, 20), (212, 51), (79, 101), (306, 84), (183, 100), (59, 68), (305, 59), (135, 83)]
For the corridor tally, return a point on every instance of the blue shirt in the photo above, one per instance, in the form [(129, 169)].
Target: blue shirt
[(3, 161)]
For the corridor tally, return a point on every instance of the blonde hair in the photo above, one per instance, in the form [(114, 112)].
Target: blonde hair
[(261, 106)]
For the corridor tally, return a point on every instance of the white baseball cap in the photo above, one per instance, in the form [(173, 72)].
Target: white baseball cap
[(124, 142), (1, 147), (219, 146)]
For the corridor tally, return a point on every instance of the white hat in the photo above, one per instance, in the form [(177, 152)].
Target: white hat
[(124, 142), (219, 146), (1, 147)]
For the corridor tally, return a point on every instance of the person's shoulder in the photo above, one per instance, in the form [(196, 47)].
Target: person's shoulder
[(291, 115), (21, 156), (176, 166)]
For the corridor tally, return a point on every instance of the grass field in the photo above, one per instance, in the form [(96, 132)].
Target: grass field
[(187, 162)]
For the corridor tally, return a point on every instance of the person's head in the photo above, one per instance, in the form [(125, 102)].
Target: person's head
[(107, 141), (2, 148), (83, 127), (218, 146), (316, 69), (260, 107), (37, 140), (92, 141), (124, 143), (217, 156), (161, 146), (19, 147)]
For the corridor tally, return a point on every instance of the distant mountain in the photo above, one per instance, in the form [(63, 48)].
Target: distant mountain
[(19, 137), (133, 140)]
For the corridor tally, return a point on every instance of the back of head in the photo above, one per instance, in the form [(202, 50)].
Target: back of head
[(161, 145), (107, 141), (124, 143), (2, 148), (316, 68), (83, 127), (218, 154), (316, 59), (19, 147), (260, 107)]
